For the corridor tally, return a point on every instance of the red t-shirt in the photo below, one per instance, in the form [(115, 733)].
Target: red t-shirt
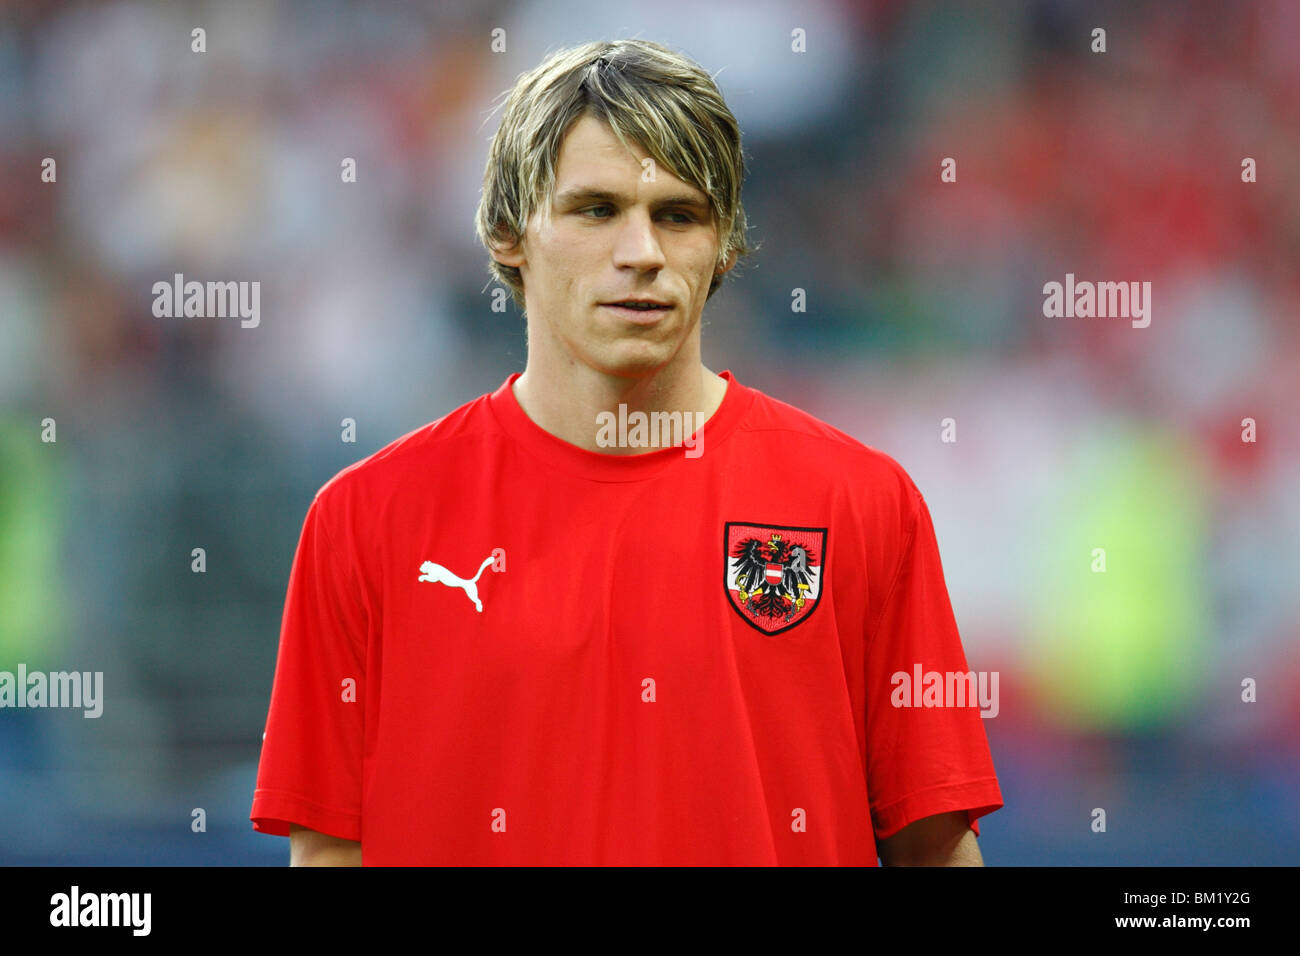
[(501, 648)]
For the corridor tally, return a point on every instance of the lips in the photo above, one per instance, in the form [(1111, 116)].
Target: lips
[(640, 305), (647, 314)]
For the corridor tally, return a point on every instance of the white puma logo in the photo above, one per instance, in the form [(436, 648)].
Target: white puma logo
[(440, 575)]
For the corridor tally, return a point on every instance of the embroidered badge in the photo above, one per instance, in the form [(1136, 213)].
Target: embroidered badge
[(773, 573)]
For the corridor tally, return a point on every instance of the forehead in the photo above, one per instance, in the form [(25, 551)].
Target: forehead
[(591, 157)]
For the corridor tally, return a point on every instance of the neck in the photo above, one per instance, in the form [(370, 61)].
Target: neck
[(568, 407)]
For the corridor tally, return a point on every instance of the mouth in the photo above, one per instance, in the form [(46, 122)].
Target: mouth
[(644, 311)]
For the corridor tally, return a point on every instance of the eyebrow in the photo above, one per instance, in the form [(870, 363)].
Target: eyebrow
[(577, 194)]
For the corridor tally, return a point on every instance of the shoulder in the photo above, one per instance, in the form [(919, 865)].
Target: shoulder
[(413, 457), (828, 453)]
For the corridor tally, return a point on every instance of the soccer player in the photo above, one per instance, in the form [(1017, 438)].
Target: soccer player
[(623, 609)]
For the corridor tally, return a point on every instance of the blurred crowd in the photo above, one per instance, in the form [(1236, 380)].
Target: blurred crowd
[(1119, 689)]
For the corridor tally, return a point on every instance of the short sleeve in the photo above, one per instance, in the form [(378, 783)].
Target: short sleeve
[(922, 760), (310, 771)]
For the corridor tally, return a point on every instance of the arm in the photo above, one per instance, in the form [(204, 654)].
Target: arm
[(944, 839), (309, 848)]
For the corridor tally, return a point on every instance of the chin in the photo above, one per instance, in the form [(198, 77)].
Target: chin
[(633, 363)]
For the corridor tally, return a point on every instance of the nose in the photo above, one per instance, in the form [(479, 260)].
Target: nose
[(636, 245)]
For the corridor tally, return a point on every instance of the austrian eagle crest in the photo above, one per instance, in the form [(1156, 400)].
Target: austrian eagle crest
[(773, 573)]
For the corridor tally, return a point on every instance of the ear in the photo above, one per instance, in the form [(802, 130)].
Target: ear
[(726, 267), (509, 255)]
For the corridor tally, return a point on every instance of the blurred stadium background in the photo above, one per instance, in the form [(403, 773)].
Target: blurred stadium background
[(1119, 690)]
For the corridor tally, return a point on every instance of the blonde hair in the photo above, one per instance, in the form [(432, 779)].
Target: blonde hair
[(645, 93)]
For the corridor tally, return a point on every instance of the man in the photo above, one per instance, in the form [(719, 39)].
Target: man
[(537, 631)]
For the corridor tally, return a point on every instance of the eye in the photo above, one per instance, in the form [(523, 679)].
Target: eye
[(686, 218)]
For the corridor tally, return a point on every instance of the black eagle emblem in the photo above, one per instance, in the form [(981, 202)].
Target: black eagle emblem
[(772, 576)]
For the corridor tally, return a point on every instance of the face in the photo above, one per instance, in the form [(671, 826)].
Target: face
[(612, 237)]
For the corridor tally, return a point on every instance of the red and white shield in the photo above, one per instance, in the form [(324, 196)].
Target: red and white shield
[(772, 574)]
